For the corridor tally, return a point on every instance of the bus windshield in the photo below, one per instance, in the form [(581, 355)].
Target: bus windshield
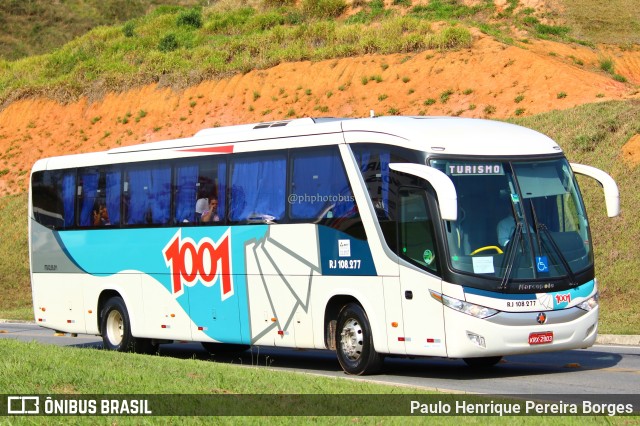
[(517, 220)]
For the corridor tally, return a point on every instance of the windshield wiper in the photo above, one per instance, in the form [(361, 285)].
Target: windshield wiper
[(511, 255), (542, 227)]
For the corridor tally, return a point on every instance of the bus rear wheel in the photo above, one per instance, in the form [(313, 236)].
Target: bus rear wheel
[(115, 328), (482, 362), (354, 342)]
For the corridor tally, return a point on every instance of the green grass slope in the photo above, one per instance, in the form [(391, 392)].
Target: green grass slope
[(179, 47), (33, 27)]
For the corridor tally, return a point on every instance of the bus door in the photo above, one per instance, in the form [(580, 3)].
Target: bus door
[(419, 272)]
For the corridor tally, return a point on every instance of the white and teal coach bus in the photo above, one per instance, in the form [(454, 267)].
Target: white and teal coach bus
[(403, 236)]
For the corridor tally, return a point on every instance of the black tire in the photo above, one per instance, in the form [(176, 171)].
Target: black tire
[(483, 362), (354, 342), (115, 328), (223, 348)]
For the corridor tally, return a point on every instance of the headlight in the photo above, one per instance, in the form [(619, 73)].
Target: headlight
[(464, 307), (590, 303)]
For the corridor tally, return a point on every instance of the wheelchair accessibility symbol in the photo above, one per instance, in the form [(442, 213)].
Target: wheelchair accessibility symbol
[(542, 263)]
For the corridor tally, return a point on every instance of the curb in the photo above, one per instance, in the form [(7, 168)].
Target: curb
[(618, 339), (602, 339)]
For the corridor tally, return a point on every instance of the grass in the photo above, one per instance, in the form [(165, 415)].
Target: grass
[(179, 47), (615, 21), (14, 258), (33, 368), (35, 27)]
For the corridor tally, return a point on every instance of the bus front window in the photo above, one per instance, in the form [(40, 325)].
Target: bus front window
[(516, 220)]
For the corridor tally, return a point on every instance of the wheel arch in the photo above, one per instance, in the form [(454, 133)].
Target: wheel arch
[(332, 309), (102, 300)]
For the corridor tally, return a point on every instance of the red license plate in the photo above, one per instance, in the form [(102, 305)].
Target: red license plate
[(541, 338)]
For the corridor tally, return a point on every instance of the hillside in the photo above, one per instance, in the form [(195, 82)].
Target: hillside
[(489, 79), (581, 86), (39, 26)]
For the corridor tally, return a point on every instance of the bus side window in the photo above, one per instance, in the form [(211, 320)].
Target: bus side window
[(98, 197), (54, 198), (148, 195), (87, 196), (319, 187), (186, 188), (258, 186), (415, 229)]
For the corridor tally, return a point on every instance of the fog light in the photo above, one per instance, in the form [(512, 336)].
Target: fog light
[(476, 339)]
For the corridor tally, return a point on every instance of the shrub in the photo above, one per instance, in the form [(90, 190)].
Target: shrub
[(324, 9), (278, 3), (559, 31), (444, 96), (451, 38), (128, 29), (606, 65), (190, 18), (168, 43)]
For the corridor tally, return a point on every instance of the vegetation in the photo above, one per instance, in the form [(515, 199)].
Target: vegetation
[(34, 27), (15, 298), (33, 368), (614, 21), (178, 46)]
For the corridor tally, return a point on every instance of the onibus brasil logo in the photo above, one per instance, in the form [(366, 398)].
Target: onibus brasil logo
[(206, 261)]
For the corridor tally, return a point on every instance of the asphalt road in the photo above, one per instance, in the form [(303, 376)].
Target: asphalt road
[(600, 370)]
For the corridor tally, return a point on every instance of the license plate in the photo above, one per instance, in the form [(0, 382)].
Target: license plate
[(541, 338)]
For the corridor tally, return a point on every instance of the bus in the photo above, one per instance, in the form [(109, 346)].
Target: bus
[(372, 237)]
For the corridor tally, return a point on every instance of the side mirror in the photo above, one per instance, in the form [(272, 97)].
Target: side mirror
[(611, 193)]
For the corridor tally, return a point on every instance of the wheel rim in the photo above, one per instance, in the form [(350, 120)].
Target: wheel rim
[(351, 339), (114, 327)]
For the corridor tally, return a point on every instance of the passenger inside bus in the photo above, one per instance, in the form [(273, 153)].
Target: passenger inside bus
[(211, 212), (202, 204), (101, 216)]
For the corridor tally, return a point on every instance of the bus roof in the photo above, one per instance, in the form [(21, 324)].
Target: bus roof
[(434, 135)]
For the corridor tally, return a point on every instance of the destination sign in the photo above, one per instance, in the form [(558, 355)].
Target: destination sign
[(459, 169)]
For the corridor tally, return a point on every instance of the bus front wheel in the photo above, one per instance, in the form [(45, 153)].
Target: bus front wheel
[(116, 330), (354, 342)]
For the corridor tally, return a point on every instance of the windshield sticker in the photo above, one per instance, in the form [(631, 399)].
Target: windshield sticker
[(542, 263), (483, 265), (344, 248), (428, 257), (474, 169)]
